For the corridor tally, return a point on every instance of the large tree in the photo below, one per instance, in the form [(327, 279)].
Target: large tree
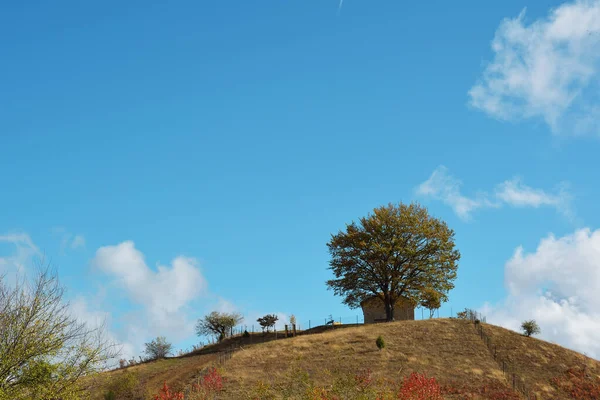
[(218, 324), (395, 252), (44, 350)]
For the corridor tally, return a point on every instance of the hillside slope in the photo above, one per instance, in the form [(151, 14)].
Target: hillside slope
[(537, 362), (449, 350), (143, 381)]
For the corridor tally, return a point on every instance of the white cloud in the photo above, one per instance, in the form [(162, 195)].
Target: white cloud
[(78, 241), (515, 193), (25, 251), (546, 69), (165, 293), (19, 239), (444, 187), (558, 286), (69, 240), (101, 320)]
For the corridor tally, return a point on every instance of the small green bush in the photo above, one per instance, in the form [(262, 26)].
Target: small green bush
[(246, 334), (530, 328), (380, 342), (110, 395)]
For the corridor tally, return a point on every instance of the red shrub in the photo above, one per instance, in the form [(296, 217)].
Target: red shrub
[(419, 387), (578, 384), (210, 384), (213, 381), (166, 394)]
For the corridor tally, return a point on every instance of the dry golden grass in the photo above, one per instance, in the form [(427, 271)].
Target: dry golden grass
[(177, 372), (537, 361), (446, 349)]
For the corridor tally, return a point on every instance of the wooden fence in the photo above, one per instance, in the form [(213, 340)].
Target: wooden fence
[(517, 382)]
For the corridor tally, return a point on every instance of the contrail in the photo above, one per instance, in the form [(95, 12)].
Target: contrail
[(340, 6)]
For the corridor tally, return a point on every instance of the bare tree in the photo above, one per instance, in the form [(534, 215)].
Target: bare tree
[(158, 348), (44, 349)]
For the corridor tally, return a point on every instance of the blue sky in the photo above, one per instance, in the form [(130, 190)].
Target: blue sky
[(172, 159)]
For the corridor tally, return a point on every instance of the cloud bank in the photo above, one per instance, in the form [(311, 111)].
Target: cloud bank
[(558, 286), (546, 69), (165, 294)]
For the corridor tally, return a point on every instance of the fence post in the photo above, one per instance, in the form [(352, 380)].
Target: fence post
[(286, 330), (294, 327)]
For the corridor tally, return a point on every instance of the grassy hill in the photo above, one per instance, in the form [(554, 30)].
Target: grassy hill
[(450, 350)]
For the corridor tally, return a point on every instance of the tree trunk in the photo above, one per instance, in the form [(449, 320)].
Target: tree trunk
[(389, 308)]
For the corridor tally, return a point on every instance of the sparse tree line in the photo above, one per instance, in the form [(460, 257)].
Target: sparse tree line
[(45, 351), (216, 324)]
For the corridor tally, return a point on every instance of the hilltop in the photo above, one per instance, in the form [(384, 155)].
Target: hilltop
[(450, 350)]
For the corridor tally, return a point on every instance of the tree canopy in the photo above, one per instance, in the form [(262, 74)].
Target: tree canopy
[(431, 299), (218, 324), (267, 321), (395, 252), (44, 349)]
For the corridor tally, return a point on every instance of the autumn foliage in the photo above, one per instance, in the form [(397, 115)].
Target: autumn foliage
[(420, 387), (166, 394), (416, 386), (578, 384), (208, 386)]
